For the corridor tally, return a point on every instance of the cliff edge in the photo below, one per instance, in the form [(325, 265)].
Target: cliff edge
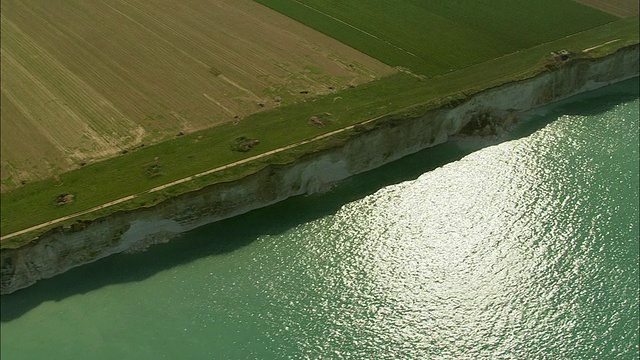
[(62, 249)]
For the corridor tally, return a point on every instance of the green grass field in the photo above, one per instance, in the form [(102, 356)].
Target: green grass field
[(438, 36)]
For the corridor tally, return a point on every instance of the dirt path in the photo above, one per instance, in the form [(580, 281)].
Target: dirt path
[(55, 221), (183, 180), (601, 45)]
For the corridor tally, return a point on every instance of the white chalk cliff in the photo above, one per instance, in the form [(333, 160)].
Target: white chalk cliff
[(60, 250)]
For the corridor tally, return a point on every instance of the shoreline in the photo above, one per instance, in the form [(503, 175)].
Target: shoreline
[(129, 231)]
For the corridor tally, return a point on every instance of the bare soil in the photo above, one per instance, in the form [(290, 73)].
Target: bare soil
[(82, 81)]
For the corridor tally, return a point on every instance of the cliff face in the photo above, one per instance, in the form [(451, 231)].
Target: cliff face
[(56, 252)]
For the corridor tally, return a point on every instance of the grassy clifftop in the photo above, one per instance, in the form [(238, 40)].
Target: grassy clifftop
[(400, 95)]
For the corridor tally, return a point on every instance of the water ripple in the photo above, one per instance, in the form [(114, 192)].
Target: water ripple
[(523, 250)]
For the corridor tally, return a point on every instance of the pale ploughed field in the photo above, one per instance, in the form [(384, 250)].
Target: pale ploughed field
[(86, 80), (620, 8)]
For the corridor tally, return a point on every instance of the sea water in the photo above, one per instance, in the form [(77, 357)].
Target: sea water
[(518, 246)]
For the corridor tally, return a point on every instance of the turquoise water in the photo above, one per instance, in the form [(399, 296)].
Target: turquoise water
[(524, 246)]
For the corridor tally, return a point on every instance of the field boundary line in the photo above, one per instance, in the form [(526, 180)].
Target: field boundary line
[(357, 28)]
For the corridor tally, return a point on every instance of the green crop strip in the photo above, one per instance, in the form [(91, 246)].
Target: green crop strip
[(438, 36)]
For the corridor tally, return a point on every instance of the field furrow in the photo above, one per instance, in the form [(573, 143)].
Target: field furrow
[(31, 151), (95, 78), (51, 93)]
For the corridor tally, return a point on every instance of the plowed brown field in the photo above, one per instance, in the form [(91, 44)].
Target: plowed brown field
[(83, 80), (620, 8)]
